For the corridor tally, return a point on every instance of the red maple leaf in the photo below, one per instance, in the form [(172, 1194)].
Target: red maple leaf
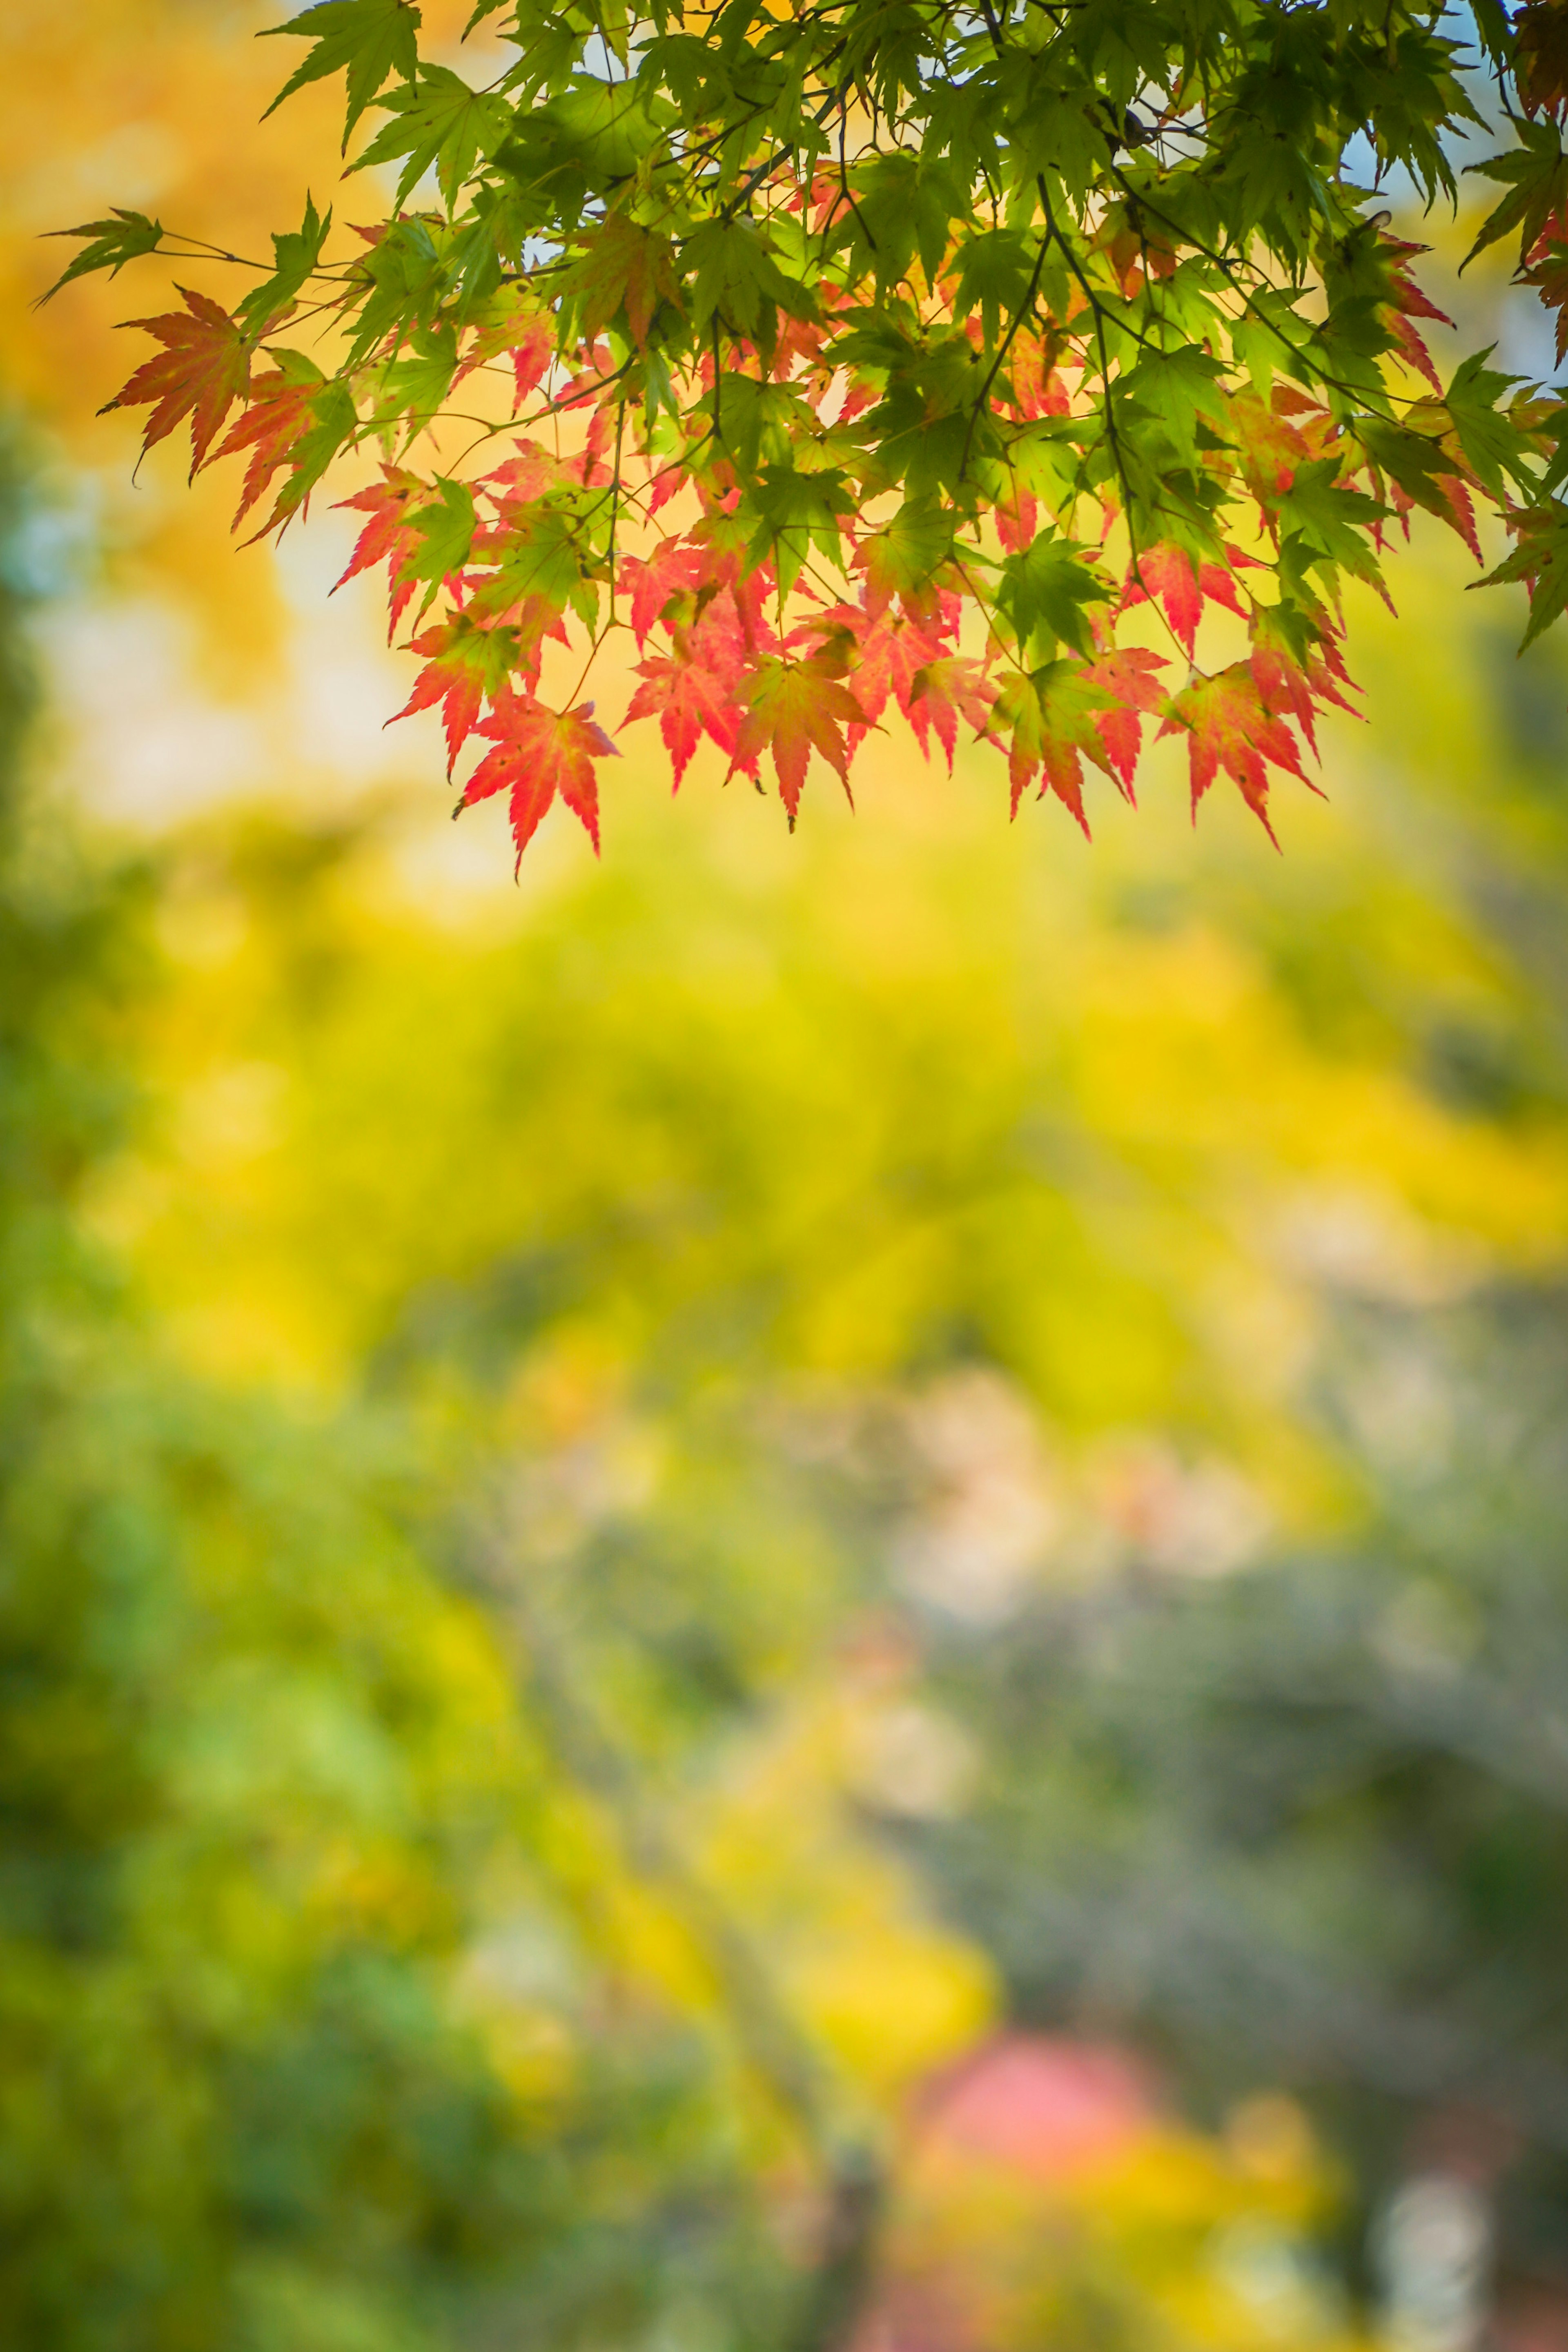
[(689, 701), (1037, 389), (691, 692), (1546, 268), (203, 371), (674, 566), (1407, 302), (1182, 582), (943, 692), (519, 332), (892, 653), (387, 534), (883, 656), (1548, 274), (1272, 446), (1229, 725), (530, 356), (539, 752), (1128, 678), (465, 666), (523, 480), (1300, 685), (1016, 520), (276, 415), (792, 708)]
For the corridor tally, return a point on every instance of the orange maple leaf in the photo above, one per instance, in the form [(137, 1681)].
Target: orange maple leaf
[(793, 708), (539, 752), (203, 371)]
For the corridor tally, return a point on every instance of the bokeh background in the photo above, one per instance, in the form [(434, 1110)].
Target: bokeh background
[(795, 1593)]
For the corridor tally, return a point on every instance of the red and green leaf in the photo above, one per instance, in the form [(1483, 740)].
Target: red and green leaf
[(203, 369), (538, 752)]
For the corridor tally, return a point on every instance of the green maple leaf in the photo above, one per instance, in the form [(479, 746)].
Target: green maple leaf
[(439, 120), (445, 533), (1540, 561), (627, 271), (367, 40), (1043, 593), (1495, 447), (122, 238), (296, 256), (1536, 174)]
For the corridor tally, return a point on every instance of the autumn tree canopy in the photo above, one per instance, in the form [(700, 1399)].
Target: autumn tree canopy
[(874, 356)]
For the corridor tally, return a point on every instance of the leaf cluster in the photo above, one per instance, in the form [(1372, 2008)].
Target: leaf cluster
[(941, 337)]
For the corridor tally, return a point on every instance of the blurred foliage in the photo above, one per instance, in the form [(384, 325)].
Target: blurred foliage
[(1308, 1825), (275, 1832)]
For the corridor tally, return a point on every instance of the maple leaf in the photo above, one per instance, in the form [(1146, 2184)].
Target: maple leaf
[(540, 752), (294, 418), (1298, 681), (1058, 717), (1127, 676), (514, 324), (523, 480), (203, 371), (441, 121), (689, 700), (884, 656), (1272, 445), (1540, 37), (1037, 388), (123, 238), (674, 568), (627, 271), (1406, 303), (1229, 725), (1540, 561), (1181, 582), (792, 708), (692, 691), (365, 39), (1536, 174), (441, 529), (905, 559), (465, 665), (943, 692), (1017, 521), (387, 534), (1548, 274)]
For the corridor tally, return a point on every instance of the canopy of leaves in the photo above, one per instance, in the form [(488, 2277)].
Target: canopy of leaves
[(875, 353)]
